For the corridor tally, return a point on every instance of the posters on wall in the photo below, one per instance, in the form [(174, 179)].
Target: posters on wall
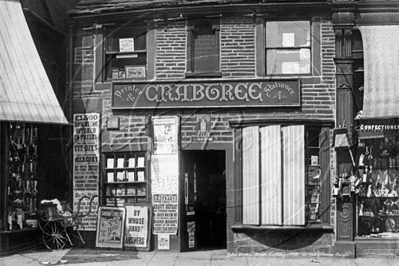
[(164, 241), (110, 227), (165, 213), (165, 177), (86, 164), (136, 227)]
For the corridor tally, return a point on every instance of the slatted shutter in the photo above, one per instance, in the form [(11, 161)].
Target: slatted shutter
[(271, 189), (250, 172), (294, 175)]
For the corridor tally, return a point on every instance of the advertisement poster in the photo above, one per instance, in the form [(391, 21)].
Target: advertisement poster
[(164, 241), (165, 213), (136, 230), (86, 164), (165, 135), (165, 174), (110, 227)]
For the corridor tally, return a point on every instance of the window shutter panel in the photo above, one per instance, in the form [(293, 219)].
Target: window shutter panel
[(250, 173), (294, 175), (271, 193), (324, 155)]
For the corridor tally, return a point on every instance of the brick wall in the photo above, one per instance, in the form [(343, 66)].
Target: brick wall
[(237, 47), (171, 51), (287, 243)]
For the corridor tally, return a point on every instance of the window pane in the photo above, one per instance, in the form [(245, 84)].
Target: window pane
[(137, 33), (294, 174), (271, 171), (287, 61), (287, 33), (250, 175), (206, 52)]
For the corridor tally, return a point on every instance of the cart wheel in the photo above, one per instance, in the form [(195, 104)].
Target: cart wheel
[(54, 235)]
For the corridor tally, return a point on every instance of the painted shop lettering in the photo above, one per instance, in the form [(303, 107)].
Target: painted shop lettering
[(212, 92), (278, 85)]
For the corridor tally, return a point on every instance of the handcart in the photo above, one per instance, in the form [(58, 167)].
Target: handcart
[(58, 227)]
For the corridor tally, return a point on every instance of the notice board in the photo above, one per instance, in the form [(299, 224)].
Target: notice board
[(137, 227), (110, 227)]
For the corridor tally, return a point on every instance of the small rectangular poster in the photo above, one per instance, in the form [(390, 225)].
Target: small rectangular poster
[(164, 241), (110, 227), (191, 240)]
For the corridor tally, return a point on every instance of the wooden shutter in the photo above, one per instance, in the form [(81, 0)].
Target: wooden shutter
[(271, 189), (294, 175), (324, 161), (250, 175)]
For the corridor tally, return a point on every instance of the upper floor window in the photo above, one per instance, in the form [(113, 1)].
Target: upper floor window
[(126, 53), (288, 47), (203, 51)]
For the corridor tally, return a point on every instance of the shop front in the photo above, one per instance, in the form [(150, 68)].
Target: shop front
[(189, 165), (366, 184), (219, 124), (32, 167)]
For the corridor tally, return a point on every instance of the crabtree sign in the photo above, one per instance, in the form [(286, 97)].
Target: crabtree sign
[(243, 93)]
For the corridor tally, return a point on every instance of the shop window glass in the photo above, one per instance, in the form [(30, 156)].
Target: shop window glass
[(125, 53), (288, 47), (281, 175), (203, 48), (378, 187), (126, 178)]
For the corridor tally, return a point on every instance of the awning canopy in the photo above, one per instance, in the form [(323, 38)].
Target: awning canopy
[(381, 71), (26, 94)]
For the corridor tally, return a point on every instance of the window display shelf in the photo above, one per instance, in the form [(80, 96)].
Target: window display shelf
[(125, 178)]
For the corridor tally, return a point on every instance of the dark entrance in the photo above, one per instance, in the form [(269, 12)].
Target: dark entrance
[(203, 208)]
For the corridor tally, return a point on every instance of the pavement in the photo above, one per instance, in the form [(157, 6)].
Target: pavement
[(91, 257)]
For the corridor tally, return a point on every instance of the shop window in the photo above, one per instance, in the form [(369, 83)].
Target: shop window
[(203, 51), (125, 53), (288, 47), (282, 177), (378, 191), (125, 178), (22, 191)]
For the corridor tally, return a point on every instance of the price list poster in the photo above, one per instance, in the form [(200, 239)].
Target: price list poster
[(86, 164)]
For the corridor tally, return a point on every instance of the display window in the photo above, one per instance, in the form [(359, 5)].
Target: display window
[(282, 174), (126, 52), (378, 191)]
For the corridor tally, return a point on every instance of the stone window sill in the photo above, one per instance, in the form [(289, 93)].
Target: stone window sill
[(313, 226), (203, 74)]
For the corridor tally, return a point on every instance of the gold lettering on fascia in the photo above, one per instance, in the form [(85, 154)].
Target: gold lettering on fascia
[(212, 92)]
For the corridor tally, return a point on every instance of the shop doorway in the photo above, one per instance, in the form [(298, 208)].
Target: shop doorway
[(203, 215)]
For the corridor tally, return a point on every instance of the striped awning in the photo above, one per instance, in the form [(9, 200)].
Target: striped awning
[(26, 94), (381, 71)]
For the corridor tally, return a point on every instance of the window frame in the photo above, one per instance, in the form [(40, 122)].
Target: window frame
[(192, 25), (315, 47), (324, 159), (101, 53), (291, 48), (125, 183)]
